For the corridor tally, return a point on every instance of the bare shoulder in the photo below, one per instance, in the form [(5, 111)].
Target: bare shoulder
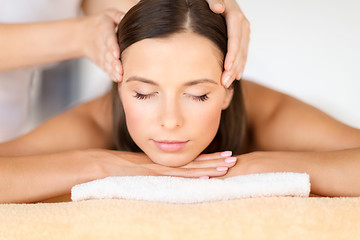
[(99, 110), (260, 101), (88, 125), (281, 122)]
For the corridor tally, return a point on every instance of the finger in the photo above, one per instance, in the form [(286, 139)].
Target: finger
[(217, 6), (243, 55), (110, 67), (240, 66), (241, 69), (114, 14), (118, 71), (196, 173), (107, 67), (234, 41), (237, 53), (227, 79), (214, 155), (112, 45), (227, 162)]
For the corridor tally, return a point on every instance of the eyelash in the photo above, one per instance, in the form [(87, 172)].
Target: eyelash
[(201, 98), (143, 96)]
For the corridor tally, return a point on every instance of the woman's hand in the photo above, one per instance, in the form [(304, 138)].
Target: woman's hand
[(216, 164), (118, 163), (271, 161), (100, 42), (238, 39)]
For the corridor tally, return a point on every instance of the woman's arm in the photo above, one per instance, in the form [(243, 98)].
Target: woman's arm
[(39, 177), (301, 139), (44, 163)]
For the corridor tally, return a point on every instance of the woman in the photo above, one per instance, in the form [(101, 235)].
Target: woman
[(172, 107)]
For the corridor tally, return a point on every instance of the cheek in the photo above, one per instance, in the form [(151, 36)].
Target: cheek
[(205, 122), (135, 121)]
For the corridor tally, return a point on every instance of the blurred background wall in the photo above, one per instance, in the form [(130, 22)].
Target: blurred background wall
[(309, 49)]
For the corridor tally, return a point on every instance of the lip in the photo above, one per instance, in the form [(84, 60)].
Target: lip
[(170, 145)]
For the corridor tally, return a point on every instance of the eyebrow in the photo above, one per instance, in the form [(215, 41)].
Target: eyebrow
[(191, 83)]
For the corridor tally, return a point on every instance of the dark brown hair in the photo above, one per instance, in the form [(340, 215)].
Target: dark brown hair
[(160, 19)]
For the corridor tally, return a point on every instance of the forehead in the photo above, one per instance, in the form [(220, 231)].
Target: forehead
[(184, 54)]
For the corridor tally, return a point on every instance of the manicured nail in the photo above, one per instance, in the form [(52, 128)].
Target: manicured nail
[(227, 81), (222, 169), (204, 177), (226, 154), (218, 5), (230, 159)]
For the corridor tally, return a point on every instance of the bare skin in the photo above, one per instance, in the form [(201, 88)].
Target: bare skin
[(288, 135), (67, 39)]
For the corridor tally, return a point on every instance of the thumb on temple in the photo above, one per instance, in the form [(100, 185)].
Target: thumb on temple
[(217, 6)]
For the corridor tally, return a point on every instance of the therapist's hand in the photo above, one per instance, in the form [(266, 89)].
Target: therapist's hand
[(100, 42), (238, 39)]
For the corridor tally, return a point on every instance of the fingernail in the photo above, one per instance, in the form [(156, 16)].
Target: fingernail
[(229, 66), (204, 177), (114, 54), (218, 5), (117, 68), (226, 154), (222, 169), (230, 159), (227, 81)]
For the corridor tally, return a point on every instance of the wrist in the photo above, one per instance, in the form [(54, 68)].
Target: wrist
[(80, 36), (269, 161), (91, 164)]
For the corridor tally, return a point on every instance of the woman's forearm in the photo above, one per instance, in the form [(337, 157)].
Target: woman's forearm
[(30, 44), (333, 173), (336, 173), (40, 177)]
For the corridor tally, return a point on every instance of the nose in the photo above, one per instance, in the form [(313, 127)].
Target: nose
[(171, 116)]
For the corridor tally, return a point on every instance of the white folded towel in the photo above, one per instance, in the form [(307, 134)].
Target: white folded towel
[(190, 190)]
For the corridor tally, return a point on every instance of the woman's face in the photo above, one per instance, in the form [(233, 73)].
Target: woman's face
[(172, 96)]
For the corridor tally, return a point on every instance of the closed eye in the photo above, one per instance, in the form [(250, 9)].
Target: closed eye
[(143, 96), (201, 98)]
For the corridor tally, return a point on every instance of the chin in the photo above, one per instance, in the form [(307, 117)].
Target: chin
[(171, 159)]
